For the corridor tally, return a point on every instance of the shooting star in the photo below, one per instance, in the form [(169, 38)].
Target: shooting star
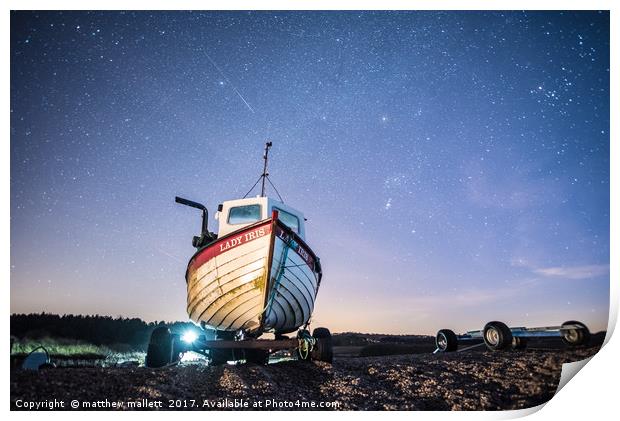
[(165, 253), (228, 80)]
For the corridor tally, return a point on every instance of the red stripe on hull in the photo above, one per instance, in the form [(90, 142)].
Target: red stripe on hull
[(228, 243)]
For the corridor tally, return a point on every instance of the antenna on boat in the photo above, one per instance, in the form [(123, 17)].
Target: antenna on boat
[(265, 173), (265, 176)]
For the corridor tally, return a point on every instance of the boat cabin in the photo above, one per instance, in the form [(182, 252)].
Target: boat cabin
[(236, 214)]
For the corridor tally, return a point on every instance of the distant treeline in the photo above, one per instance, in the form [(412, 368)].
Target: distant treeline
[(106, 330), (362, 339), (97, 330)]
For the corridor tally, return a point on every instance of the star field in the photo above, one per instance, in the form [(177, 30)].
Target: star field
[(453, 166)]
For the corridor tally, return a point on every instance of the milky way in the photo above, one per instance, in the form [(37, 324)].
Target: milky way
[(453, 166)]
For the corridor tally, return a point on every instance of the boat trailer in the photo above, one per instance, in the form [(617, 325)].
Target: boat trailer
[(166, 348), (497, 336)]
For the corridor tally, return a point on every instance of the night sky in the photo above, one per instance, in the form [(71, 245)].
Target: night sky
[(453, 166)]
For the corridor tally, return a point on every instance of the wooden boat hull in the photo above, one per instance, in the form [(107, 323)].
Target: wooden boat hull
[(257, 279)]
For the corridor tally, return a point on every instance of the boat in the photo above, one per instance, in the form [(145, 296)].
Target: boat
[(257, 274)]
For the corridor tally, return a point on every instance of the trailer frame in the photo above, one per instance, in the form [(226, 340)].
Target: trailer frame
[(166, 347), (498, 336)]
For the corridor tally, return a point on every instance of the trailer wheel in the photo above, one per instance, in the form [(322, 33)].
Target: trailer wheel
[(574, 336), (497, 336), (159, 352), (323, 348), (257, 356), (446, 341), (519, 342), (178, 347)]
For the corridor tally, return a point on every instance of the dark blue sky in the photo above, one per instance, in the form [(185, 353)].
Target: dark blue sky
[(453, 166)]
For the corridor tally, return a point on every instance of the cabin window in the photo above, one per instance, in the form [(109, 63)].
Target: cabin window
[(289, 219), (244, 214)]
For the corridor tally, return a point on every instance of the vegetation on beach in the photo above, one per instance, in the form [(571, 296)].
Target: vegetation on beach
[(61, 347)]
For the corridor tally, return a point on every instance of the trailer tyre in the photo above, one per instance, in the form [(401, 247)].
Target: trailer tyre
[(575, 336), (323, 348), (497, 336), (178, 347), (159, 352), (519, 342), (446, 341)]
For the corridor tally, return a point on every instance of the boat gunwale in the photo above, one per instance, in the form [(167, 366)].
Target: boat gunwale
[(280, 224)]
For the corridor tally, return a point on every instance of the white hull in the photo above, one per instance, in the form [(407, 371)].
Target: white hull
[(293, 290), (228, 287)]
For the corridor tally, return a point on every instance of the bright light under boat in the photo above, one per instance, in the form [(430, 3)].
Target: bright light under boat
[(189, 336)]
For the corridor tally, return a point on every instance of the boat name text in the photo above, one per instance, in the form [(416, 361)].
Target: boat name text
[(243, 238)]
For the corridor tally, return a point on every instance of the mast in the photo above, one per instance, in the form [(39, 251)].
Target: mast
[(265, 176), (265, 173)]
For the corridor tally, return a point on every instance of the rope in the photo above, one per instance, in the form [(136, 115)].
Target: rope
[(246, 195), (306, 344), (274, 187)]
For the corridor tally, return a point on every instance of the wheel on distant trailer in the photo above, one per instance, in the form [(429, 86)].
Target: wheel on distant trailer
[(497, 336), (446, 341), (257, 356), (574, 333), (159, 352), (323, 349), (519, 342)]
